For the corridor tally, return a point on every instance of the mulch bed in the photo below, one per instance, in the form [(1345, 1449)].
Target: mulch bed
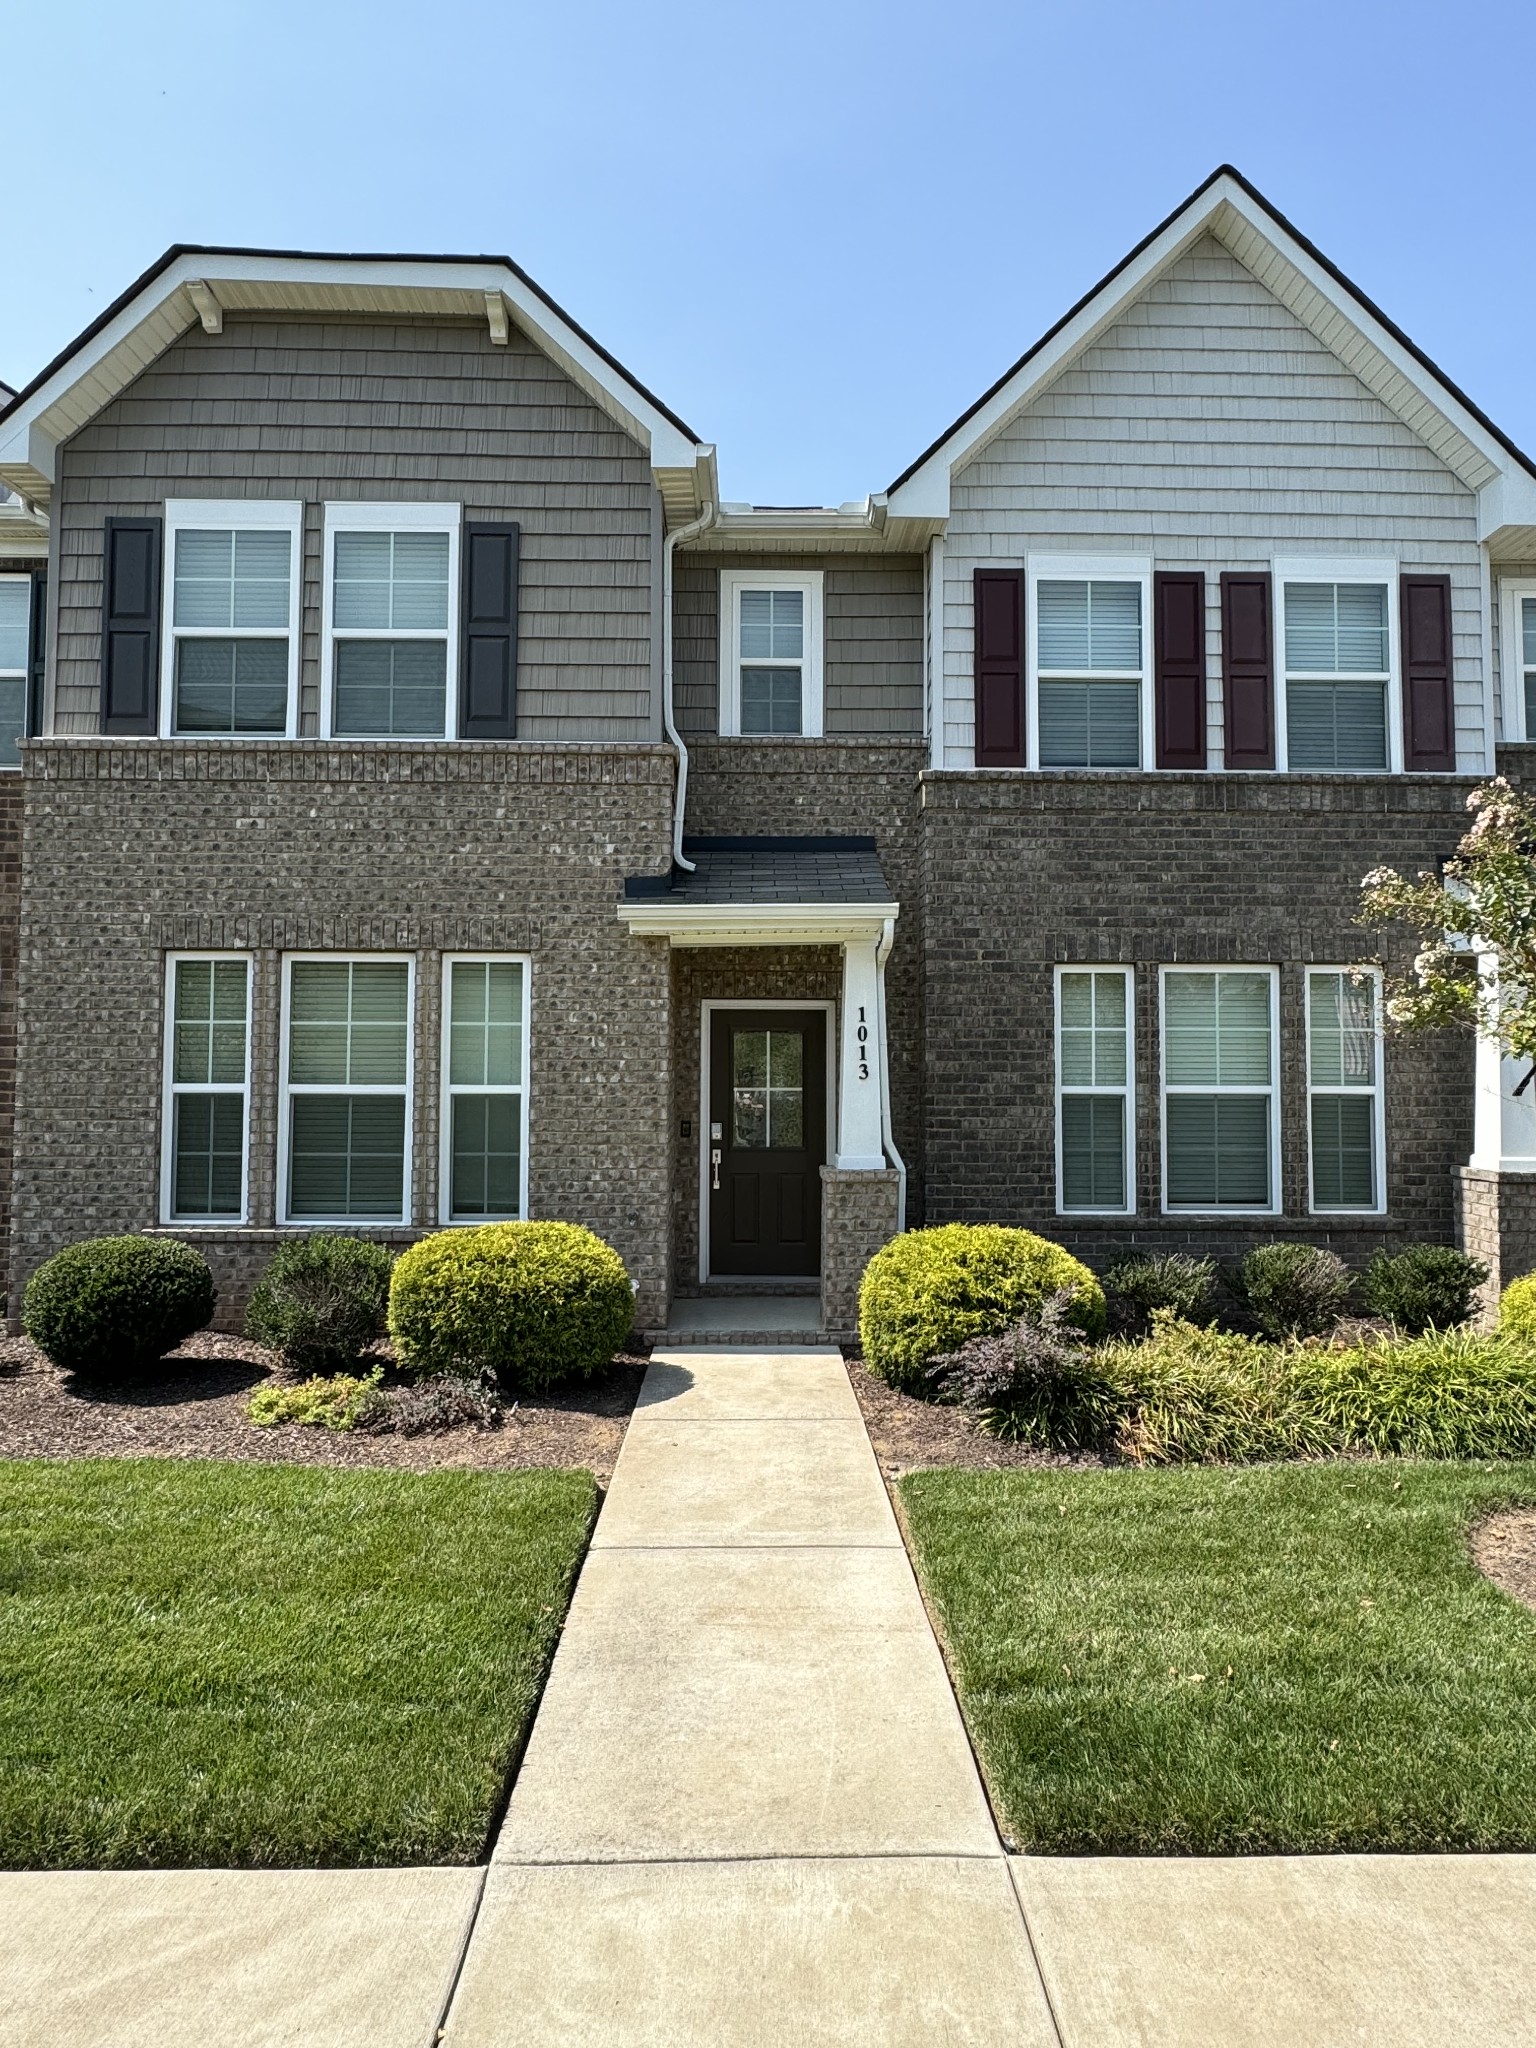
[(1505, 1548), (909, 1435), (195, 1408)]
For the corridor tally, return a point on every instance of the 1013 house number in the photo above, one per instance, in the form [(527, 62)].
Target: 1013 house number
[(862, 1035)]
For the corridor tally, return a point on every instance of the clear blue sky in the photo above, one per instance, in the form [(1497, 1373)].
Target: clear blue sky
[(817, 230)]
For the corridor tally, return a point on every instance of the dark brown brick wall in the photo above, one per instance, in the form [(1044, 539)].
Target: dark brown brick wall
[(11, 805)]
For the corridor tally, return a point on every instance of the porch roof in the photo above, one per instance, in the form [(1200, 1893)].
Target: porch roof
[(743, 891)]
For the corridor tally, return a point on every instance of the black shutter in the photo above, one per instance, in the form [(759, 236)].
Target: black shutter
[(1178, 633), (999, 668), (1429, 726), (1248, 669), (130, 625), (488, 655), (37, 653)]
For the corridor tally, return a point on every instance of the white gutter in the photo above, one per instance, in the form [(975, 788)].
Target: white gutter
[(882, 954), (690, 532)]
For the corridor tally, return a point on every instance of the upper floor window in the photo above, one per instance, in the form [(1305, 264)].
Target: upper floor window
[(1518, 668), (231, 657), (1087, 631), (390, 621), (770, 654), (15, 644), (1337, 638)]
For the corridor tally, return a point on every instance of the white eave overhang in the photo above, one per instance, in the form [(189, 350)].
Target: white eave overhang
[(860, 526), (199, 286), (756, 924)]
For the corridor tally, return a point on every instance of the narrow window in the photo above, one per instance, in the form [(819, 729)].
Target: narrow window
[(347, 1069), (1344, 1099), (232, 651), (770, 657), (1094, 1090), (1338, 656), (1219, 1092), (1527, 656), (485, 1089), (15, 633), (391, 620), (207, 1088), (1089, 673)]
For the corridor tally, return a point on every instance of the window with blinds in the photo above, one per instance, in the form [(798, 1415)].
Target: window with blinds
[(1094, 1091), (485, 1090), (1089, 676), (1527, 653), (231, 654), (1219, 1089), (207, 1087), (346, 1082), (15, 643), (770, 654), (1338, 657), (389, 661), (1344, 1097)]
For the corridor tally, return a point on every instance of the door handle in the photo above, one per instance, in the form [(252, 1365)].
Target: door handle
[(714, 1161)]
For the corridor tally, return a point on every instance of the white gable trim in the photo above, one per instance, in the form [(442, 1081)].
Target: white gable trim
[(1258, 240)]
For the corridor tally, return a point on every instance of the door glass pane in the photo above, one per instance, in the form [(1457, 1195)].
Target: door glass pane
[(767, 1090)]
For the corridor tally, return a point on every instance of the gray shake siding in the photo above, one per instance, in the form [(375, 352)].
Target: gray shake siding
[(1210, 430), (321, 410), (873, 660)]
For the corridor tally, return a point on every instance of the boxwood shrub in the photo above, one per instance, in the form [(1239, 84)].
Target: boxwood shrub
[(927, 1291), (321, 1302), (531, 1303), (1517, 1309), (110, 1307), (1425, 1287)]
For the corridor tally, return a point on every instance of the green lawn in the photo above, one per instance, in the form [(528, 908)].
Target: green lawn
[(1216, 1661), (210, 1663)]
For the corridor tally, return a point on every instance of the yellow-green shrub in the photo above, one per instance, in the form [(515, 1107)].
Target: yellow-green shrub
[(533, 1303), (338, 1402), (926, 1292), (1517, 1309), (1454, 1393), (1194, 1396)]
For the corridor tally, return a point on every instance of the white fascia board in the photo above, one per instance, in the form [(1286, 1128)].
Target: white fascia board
[(755, 924)]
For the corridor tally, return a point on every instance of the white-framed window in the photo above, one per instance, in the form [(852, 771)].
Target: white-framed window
[(484, 1165), (1088, 625), (771, 653), (344, 1122), (15, 650), (230, 653), (205, 1142), (390, 622), (1339, 701), (1346, 1134), (1221, 1097), (1518, 666), (1095, 1091)]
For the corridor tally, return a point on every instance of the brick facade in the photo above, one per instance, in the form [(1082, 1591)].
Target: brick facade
[(858, 1216), (1496, 1222)]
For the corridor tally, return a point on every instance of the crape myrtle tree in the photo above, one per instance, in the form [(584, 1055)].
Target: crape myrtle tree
[(1476, 923)]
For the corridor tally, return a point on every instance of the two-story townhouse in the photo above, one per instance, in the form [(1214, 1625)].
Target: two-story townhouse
[(438, 806)]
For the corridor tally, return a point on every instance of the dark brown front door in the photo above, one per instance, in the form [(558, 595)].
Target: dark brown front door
[(767, 1140)]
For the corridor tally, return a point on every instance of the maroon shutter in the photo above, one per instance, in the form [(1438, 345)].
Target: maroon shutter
[(999, 668), (1247, 669), (1429, 731), (1178, 648), (130, 625)]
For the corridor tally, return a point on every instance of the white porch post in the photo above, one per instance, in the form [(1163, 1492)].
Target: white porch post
[(859, 1146), (1504, 1127)]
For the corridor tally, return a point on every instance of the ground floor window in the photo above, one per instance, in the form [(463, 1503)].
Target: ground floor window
[(207, 1087), (1344, 1100), (346, 1111), (485, 1089), (1220, 1099), (1094, 1090)]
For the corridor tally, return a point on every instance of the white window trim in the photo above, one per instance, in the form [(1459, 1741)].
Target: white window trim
[(1049, 568), (424, 517), (1512, 658), (1339, 569), (1275, 1205), (23, 673), (287, 1089), (1128, 1092), (1378, 1093), (171, 1088), (244, 515), (812, 708), (449, 1089)]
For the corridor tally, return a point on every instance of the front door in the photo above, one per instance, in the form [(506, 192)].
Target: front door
[(767, 1140)]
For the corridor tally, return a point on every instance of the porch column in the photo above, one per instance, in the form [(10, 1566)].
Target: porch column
[(1504, 1130), (859, 1146), (1496, 1191)]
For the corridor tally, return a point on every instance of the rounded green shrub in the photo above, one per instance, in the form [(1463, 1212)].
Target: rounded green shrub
[(927, 1291), (111, 1307), (1425, 1287), (321, 1302), (532, 1303), (1517, 1309), (1141, 1283), (1295, 1290)]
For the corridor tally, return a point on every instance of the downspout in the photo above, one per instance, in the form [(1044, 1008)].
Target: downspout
[(690, 532), (882, 954)]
